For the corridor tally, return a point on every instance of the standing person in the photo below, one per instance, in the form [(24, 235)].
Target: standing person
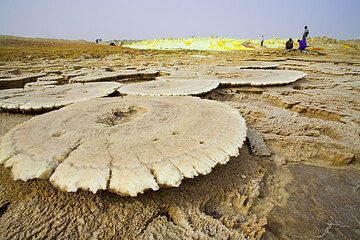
[(306, 33), (262, 41)]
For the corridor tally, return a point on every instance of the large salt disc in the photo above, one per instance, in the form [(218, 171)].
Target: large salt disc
[(49, 98), (262, 77), (124, 145), (170, 87)]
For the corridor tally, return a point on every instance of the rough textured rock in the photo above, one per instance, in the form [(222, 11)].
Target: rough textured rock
[(76, 73), (257, 144), (40, 84), (53, 72), (246, 65), (260, 77), (306, 138), (19, 81), (336, 100), (148, 73), (49, 98), (58, 79), (131, 75), (170, 87), (3, 76), (124, 145), (99, 76), (325, 68)]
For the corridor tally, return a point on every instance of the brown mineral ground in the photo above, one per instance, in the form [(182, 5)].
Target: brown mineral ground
[(308, 188)]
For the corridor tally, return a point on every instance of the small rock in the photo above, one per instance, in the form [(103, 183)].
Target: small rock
[(257, 144)]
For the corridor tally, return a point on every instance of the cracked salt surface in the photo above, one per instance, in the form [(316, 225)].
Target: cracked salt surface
[(110, 145)]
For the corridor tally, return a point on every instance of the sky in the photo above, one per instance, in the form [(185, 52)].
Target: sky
[(149, 19)]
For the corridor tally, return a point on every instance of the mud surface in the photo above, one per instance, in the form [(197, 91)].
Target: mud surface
[(309, 188), (327, 211)]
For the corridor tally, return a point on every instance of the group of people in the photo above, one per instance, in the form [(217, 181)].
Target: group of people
[(290, 43), (302, 43)]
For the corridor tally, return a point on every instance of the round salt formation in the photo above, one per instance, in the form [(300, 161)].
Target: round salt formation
[(40, 84), (170, 87), (246, 65), (124, 145), (53, 97), (261, 77)]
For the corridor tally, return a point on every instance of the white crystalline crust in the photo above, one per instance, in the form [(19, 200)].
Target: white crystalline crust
[(170, 87), (124, 145), (102, 76), (40, 84), (51, 78), (99, 76), (262, 77), (53, 97), (246, 65)]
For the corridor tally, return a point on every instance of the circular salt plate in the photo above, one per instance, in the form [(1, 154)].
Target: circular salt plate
[(53, 97), (261, 77), (40, 84), (246, 65), (170, 87), (126, 145)]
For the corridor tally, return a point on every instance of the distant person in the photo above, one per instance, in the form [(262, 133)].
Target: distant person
[(289, 44), (302, 44), (262, 41), (306, 33), (97, 40)]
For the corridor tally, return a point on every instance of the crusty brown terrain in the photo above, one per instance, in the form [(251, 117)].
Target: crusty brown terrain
[(309, 188)]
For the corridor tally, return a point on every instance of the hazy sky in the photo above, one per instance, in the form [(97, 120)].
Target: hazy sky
[(147, 19)]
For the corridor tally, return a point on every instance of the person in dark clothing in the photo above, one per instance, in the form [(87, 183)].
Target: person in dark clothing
[(289, 44), (262, 41), (306, 33)]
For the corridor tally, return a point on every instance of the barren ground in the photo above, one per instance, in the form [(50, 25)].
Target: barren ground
[(309, 188)]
